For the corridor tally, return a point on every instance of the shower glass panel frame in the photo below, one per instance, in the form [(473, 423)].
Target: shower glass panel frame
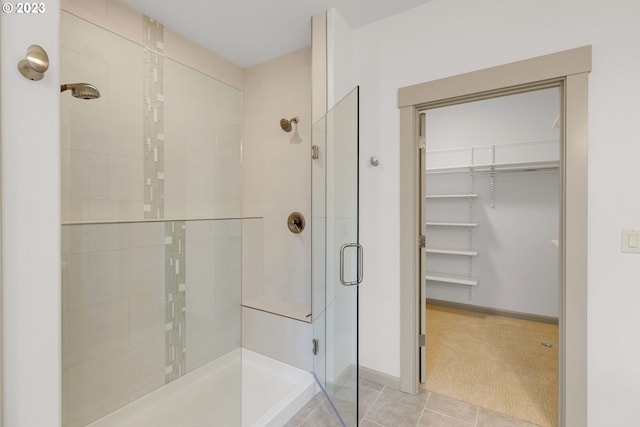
[(337, 256)]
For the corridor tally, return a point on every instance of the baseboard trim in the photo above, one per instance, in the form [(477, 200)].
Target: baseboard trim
[(379, 377), (495, 311)]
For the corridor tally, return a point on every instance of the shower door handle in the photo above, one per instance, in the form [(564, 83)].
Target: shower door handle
[(360, 256)]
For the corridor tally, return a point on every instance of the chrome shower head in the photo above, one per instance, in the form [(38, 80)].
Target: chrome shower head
[(286, 124), (81, 90)]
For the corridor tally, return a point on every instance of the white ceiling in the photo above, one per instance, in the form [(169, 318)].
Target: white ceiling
[(248, 32)]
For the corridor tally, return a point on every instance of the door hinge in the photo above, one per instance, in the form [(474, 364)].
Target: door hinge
[(315, 152), (422, 340), (315, 346), (422, 241), (422, 139)]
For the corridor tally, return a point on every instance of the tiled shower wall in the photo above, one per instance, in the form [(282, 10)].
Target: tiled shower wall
[(102, 155), (119, 283), (145, 302), (277, 169), (163, 140), (112, 317)]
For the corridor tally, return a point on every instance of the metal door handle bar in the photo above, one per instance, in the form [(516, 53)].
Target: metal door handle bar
[(360, 264)]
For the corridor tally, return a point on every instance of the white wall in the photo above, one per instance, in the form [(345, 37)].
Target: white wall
[(31, 223), (449, 37), (339, 63)]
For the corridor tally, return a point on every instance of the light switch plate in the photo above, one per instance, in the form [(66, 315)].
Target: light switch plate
[(631, 241)]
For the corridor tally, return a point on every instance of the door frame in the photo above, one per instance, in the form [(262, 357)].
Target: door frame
[(570, 70)]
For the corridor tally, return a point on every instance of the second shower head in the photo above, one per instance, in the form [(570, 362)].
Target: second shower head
[(286, 125), (81, 90)]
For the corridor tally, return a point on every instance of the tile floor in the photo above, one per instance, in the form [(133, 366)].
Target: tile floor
[(384, 406)]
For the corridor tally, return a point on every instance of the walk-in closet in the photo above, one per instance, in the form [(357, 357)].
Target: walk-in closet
[(490, 221)]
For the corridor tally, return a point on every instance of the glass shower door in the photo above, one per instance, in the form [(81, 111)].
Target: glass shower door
[(336, 256)]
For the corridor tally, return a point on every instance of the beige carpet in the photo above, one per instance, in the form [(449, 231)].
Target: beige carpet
[(495, 362)]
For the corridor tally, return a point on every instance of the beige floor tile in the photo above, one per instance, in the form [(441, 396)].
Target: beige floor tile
[(306, 410), (394, 408), (434, 419), (366, 398), (371, 384), (322, 416), (453, 408)]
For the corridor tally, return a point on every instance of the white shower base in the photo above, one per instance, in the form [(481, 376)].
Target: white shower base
[(272, 392)]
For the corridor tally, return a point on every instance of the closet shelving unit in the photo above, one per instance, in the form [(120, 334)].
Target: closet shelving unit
[(515, 157), (468, 280), (468, 252), (452, 278)]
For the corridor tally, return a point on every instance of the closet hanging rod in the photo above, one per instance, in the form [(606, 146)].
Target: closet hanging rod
[(495, 167), (519, 170)]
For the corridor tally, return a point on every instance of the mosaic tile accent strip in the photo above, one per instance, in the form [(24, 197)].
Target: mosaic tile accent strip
[(153, 121), (175, 311)]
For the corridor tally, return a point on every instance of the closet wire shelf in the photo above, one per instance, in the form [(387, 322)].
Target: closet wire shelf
[(520, 156), (451, 278)]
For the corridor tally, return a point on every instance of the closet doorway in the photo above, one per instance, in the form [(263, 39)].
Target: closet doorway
[(568, 71), (490, 218)]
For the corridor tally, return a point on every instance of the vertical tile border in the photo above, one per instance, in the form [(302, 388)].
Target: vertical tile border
[(153, 119), (153, 148), (175, 310)]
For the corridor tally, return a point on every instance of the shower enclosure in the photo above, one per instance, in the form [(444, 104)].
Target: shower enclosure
[(155, 248), (153, 258)]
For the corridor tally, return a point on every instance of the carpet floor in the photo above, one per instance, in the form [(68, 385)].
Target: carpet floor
[(494, 362)]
